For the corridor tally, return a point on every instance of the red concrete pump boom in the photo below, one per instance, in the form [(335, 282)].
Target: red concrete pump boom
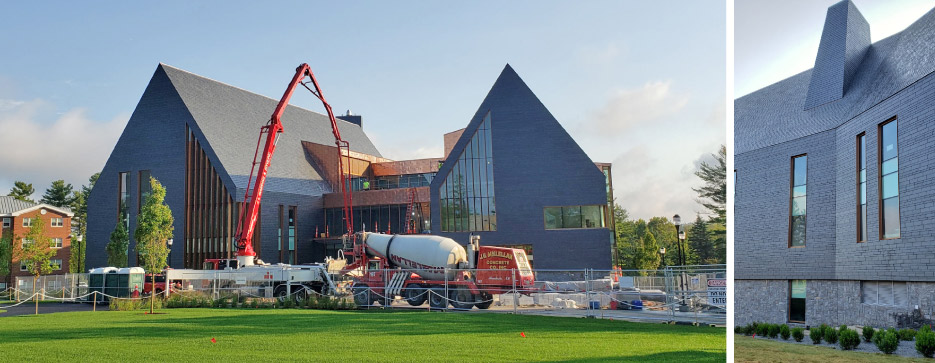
[(251, 204)]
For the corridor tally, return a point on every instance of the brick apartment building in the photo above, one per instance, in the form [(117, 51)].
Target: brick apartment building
[(17, 217)]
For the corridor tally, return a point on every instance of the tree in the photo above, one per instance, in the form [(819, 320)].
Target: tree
[(59, 194), (713, 194), (700, 241), (22, 191), (35, 252), (664, 232), (648, 255), (6, 256), (153, 230), (118, 245), (79, 225)]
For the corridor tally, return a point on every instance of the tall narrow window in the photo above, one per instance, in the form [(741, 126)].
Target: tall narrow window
[(144, 189), (797, 301), (889, 182), (123, 196), (861, 188), (290, 258), (798, 203)]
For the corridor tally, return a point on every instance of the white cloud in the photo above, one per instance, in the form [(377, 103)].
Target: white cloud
[(645, 187), (71, 147), (629, 108)]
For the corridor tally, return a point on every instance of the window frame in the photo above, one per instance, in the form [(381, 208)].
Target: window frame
[(27, 222), (60, 244), (861, 156), (792, 197), (7, 222), (880, 212), (61, 222), (789, 312)]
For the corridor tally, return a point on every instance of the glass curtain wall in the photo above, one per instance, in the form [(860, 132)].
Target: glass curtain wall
[(466, 197)]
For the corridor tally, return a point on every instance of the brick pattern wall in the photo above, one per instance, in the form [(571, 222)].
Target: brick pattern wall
[(63, 232)]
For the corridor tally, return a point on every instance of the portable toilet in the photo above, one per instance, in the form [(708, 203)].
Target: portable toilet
[(96, 281), (126, 280), (112, 282)]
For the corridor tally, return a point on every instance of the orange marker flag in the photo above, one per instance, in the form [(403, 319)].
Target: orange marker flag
[(522, 334), (213, 340)]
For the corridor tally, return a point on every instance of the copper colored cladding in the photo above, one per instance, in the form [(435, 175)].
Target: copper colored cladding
[(451, 139), (378, 197), (403, 167), (325, 161)]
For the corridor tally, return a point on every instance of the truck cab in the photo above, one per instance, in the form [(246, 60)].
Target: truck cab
[(220, 264)]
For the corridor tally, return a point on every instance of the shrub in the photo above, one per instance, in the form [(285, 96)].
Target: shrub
[(762, 329), (831, 335), (816, 334), (907, 334), (848, 338), (886, 341), (798, 334), (739, 329), (868, 334), (772, 330), (117, 304), (925, 342), (749, 329), (784, 332)]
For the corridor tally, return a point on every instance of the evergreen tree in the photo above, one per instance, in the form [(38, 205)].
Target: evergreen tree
[(118, 245), (59, 194), (153, 230), (79, 226), (700, 242), (713, 194), (22, 191)]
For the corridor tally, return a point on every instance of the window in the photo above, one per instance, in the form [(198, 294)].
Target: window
[(25, 242), (797, 301), (889, 182), (576, 216), (797, 203), (57, 222), (887, 293), (56, 264), (27, 222), (122, 196), (861, 188), (466, 197), (7, 222), (56, 243), (144, 189), (22, 266), (290, 255)]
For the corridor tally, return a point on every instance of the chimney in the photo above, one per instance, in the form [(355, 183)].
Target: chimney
[(844, 42), (352, 118)]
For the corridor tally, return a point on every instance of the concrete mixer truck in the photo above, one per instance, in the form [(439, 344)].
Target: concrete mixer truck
[(434, 268)]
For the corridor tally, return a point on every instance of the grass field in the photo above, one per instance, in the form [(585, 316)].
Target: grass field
[(747, 349), (267, 335)]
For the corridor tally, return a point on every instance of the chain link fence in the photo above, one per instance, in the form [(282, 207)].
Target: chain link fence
[(688, 294)]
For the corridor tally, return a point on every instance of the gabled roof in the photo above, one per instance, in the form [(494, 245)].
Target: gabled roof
[(777, 113), (12, 207), (229, 118)]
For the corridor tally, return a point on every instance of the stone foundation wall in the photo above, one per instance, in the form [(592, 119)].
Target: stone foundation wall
[(832, 302)]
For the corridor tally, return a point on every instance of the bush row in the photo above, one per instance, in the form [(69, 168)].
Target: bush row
[(201, 300), (886, 340)]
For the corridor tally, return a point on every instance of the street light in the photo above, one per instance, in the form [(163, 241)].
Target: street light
[(80, 254), (662, 251), (170, 251), (677, 221)]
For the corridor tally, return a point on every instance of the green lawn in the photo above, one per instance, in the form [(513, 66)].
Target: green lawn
[(354, 336), (747, 349)]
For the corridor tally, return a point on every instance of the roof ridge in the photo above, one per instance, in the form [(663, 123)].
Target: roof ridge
[(246, 90)]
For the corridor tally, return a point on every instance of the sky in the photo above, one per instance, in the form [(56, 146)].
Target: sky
[(774, 40), (640, 84)]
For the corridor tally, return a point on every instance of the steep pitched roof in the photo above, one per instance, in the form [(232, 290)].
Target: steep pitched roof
[(230, 118), (777, 113)]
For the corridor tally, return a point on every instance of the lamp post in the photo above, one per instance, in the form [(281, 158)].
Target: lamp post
[(677, 221), (80, 254), (662, 251), (681, 242), (169, 242)]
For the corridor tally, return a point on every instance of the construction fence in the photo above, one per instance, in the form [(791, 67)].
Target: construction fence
[(695, 294)]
